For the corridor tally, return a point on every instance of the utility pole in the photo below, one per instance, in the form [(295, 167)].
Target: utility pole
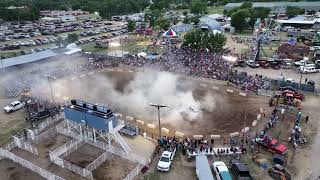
[(28, 113), (49, 79), (158, 106)]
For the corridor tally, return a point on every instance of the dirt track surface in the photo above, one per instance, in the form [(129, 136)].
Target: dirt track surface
[(227, 115), (13, 171)]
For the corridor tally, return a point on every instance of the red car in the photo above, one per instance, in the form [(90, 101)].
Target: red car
[(273, 145)]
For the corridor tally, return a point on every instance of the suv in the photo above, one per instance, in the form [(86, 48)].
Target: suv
[(165, 161), (221, 171), (240, 170), (43, 114)]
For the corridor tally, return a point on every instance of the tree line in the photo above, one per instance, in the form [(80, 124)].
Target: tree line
[(106, 8)]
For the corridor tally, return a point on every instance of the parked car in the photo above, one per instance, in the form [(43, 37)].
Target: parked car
[(309, 70), (240, 170), (272, 144), (301, 63), (277, 172), (221, 171), (252, 64), (15, 105)]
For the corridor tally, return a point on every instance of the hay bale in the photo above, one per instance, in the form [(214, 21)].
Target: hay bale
[(215, 88), (261, 110), (242, 94), (203, 85)]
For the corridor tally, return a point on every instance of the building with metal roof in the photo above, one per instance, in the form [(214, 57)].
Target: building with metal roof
[(280, 6), (209, 24), (182, 28), (27, 58)]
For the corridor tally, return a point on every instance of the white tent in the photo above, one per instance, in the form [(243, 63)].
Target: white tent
[(142, 54)]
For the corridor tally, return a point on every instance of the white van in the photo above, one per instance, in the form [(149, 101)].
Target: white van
[(309, 70)]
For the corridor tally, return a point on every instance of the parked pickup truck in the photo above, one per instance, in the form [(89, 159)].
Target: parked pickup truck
[(15, 105), (42, 114), (272, 144)]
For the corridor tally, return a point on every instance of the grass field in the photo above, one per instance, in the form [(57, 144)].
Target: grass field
[(215, 9)]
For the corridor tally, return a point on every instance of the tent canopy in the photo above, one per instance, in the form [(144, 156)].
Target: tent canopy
[(170, 33)]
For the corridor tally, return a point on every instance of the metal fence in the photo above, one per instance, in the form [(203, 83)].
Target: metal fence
[(42, 172), (302, 87), (45, 135), (134, 172), (96, 163), (25, 145)]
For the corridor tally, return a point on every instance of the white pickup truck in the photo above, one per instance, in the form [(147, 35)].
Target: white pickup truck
[(15, 105), (166, 159)]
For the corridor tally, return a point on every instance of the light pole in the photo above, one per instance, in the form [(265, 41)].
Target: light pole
[(158, 106), (49, 79), (305, 63), (231, 60)]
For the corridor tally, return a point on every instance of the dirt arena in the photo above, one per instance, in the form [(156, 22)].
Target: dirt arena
[(226, 116)]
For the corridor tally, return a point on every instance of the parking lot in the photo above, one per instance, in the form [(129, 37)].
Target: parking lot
[(35, 37)]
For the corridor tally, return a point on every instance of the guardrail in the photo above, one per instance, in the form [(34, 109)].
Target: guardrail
[(134, 172)]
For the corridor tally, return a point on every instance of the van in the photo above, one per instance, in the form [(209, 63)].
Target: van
[(203, 170)]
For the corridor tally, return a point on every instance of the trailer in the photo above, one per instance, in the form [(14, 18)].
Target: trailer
[(203, 170)]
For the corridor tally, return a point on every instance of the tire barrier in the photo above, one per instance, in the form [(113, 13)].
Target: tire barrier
[(259, 117)]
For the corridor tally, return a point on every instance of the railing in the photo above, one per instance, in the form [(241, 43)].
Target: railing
[(72, 167), (134, 172), (44, 173), (121, 141), (96, 163)]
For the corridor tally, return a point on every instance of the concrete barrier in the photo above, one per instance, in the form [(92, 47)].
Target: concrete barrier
[(234, 134), (130, 71), (129, 118), (261, 110), (242, 94), (165, 130), (258, 117), (214, 136), (180, 134), (215, 88), (245, 130), (203, 85), (254, 123), (151, 126), (140, 122), (197, 136), (119, 115), (230, 91)]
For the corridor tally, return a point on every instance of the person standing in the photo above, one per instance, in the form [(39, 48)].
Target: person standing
[(307, 119)]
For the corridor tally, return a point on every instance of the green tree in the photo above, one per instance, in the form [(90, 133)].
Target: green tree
[(239, 19), (198, 7), (174, 20), (186, 20), (258, 12), (294, 11), (198, 39), (72, 38), (246, 5), (163, 23), (131, 25), (185, 13), (195, 20)]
